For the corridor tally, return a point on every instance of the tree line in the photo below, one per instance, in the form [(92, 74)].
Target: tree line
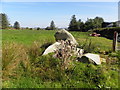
[(89, 24), (74, 25), (4, 22)]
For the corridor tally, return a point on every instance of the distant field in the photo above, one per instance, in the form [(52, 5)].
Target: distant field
[(27, 37)]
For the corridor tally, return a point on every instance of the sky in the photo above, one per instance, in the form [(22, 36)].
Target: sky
[(60, 0), (40, 14)]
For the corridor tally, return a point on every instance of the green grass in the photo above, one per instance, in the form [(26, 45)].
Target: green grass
[(0, 38), (27, 37), (24, 67)]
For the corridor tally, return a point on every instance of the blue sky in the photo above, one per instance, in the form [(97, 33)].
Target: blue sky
[(40, 14)]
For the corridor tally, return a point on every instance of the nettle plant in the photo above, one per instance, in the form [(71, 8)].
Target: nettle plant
[(67, 53)]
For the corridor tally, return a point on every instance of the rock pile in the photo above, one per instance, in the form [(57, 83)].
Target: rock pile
[(65, 35)]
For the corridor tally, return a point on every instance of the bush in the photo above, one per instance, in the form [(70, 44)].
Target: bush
[(107, 32)]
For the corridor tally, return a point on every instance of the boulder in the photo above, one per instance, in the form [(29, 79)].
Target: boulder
[(65, 35), (52, 48), (94, 57), (90, 58)]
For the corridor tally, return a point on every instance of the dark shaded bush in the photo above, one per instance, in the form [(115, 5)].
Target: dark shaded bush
[(107, 32)]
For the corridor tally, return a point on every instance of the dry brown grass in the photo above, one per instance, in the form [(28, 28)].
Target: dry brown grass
[(13, 55), (18, 59)]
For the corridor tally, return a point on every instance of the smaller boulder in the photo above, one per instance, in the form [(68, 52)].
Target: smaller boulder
[(52, 48), (90, 58)]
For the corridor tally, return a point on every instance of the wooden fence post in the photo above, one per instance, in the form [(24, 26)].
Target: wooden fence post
[(115, 41)]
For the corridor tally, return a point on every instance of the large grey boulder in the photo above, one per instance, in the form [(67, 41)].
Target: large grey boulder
[(52, 48), (65, 35)]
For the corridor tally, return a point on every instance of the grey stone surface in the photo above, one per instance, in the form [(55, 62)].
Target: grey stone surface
[(51, 48), (65, 35), (90, 58), (94, 57)]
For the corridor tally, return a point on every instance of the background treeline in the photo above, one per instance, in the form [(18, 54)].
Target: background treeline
[(89, 24), (74, 25), (5, 24)]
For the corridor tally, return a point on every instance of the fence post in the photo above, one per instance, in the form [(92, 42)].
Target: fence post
[(115, 41)]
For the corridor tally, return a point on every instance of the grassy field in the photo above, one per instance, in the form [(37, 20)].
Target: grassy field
[(24, 67), (27, 37)]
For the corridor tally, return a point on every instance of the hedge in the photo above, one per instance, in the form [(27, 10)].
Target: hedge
[(107, 32)]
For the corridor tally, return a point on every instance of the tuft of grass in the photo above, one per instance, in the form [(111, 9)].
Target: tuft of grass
[(13, 56)]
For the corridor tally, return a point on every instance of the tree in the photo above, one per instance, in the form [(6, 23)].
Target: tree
[(47, 28), (81, 25), (4, 23), (89, 24), (93, 23), (114, 24), (98, 22), (16, 25), (73, 26), (52, 26), (38, 28)]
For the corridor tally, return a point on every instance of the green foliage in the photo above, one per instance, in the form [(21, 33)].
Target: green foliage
[(16, 25), (38, 28), (107, 32), (98, 22), (73, 26), (89, 46), (47, 68), (45, 71), (114, 24), (47, 28), (93, 23), (81, 25), (51, 27), (89, 24), (4, 23), (80, 76), (115, 54)]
